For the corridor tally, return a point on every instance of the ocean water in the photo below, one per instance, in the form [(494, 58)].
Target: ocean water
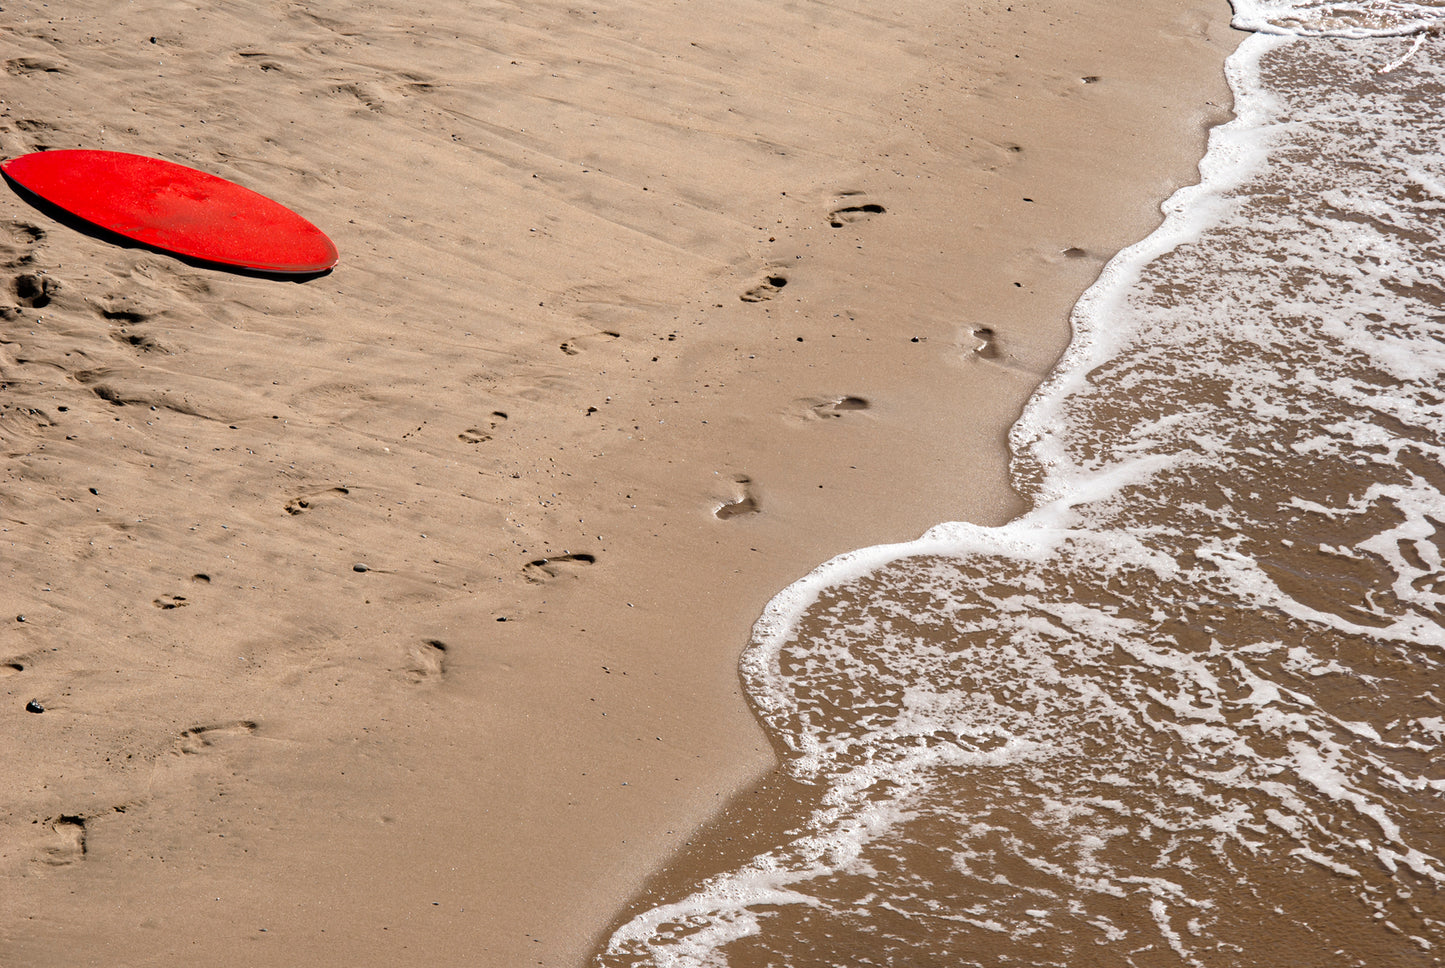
[(1190, 709)]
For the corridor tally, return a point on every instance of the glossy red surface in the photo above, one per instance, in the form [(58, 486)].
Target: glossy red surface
[(175, 208)]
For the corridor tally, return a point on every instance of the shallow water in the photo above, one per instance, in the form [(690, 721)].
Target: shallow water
[(1189, 709)]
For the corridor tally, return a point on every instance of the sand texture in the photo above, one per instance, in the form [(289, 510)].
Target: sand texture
[(393, 617)]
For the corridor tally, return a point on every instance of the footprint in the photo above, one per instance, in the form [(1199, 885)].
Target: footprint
[(545, 569), (34, 126), (766, 289), (19, 248), (1002, 153), (200, 738), (107, 393), (34, 290), (840, 406), (426, 662), (305, 502), (124, 318), (745, 503), (113, 313), (829, 408), (478, 435), (579, 344), (840, 217), (20, 66), (66, 842), (263, 60), (368, 96), (171, 601), (376, 94), (986, 347), (137, 341)]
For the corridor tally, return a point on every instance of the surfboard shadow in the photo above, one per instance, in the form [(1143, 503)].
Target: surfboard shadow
[(102, 234)]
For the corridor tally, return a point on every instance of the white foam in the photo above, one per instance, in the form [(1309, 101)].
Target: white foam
[(1371, 18)]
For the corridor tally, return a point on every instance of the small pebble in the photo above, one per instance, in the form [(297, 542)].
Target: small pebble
[(34, 707), (359, 566), (20, 618)]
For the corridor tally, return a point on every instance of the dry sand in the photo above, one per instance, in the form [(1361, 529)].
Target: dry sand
[(552, 335)]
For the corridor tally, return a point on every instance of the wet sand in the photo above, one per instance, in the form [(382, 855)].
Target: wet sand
[(391, 615)]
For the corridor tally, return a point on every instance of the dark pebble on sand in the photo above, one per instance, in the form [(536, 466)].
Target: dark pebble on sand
[(20, 618), (34, 707), (359, 566)]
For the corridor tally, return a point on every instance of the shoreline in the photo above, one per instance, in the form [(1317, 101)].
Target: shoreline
[(519, 400)]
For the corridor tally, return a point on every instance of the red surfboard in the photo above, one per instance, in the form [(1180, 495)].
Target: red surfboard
[(175, 209)]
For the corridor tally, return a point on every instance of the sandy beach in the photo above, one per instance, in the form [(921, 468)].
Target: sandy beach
[(394, 616)]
